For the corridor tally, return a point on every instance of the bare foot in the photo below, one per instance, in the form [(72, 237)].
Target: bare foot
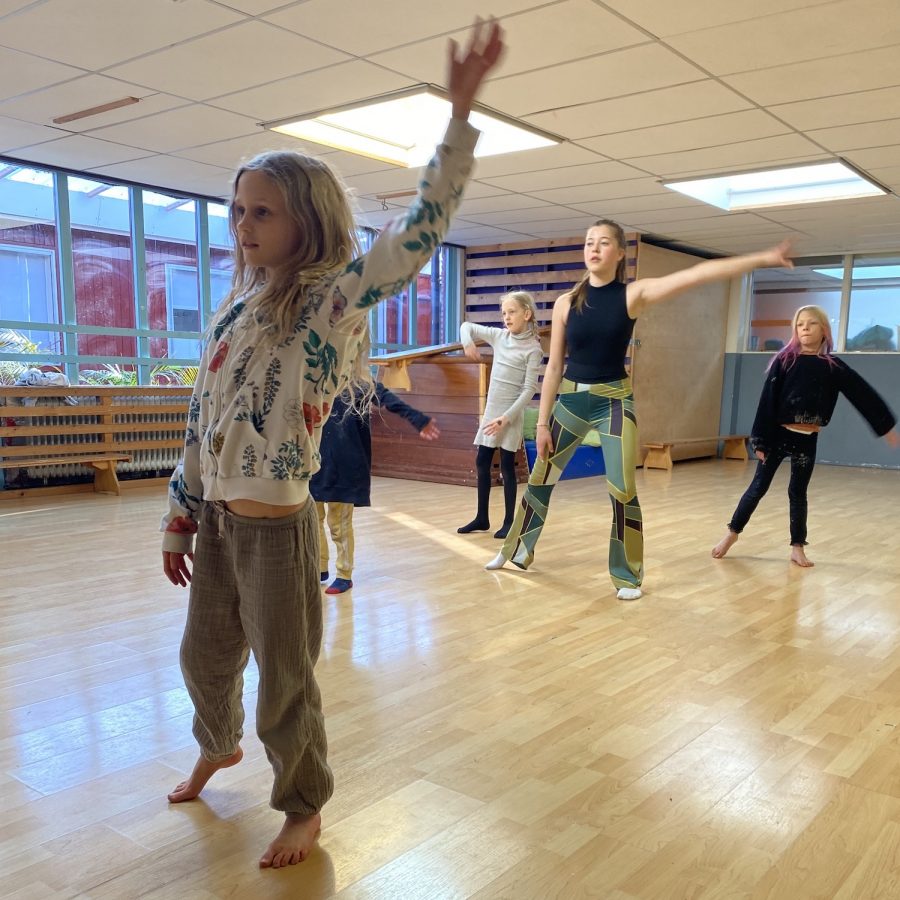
[(203, 771), (725, 545), (294, 841), (798, 557)]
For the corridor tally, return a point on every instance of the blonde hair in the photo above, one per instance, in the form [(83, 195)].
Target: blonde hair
[(524, 301), (317, 201), (578, 294)]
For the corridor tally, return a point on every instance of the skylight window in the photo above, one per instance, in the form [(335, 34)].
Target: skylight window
[(864, 273), (402, 128), (815, 183)]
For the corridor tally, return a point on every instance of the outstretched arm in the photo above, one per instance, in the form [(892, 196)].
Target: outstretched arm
[(647, 291)]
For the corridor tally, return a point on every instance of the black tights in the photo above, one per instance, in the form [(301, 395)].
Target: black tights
[(484, 460), (801, 448)]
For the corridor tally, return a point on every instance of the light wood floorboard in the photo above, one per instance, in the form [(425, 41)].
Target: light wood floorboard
[(733, 734)]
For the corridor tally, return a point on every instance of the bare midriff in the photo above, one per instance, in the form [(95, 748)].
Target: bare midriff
[(255, 510), (803, 429)]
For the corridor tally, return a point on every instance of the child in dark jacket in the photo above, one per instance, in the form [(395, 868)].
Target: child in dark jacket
[(344, 479), (798, 398)]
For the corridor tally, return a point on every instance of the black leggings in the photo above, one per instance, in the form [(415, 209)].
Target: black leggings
[(802, 450), (483, 463)]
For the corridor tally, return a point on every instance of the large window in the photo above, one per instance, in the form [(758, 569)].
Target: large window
[(860, 294), (103, 269), (779, 293), (873, 323), (115, 282), (426, 312), (29, 291)]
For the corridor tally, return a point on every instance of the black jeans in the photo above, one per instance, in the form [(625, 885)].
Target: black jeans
[(801, 448)]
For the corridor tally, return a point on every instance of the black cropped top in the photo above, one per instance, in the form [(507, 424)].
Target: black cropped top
[(806, 392), (597, 337)]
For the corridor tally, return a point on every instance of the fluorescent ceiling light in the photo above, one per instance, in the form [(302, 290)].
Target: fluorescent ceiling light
[(863, 273), (403, 128), (780, 187)]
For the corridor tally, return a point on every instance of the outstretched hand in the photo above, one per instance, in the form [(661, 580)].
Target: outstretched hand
[(780, 257), (430, 432), (893, 439), (466, 71)]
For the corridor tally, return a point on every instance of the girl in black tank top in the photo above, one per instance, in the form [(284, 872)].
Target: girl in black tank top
[(593, 324)]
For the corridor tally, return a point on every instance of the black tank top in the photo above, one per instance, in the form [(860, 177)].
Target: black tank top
[(597, 337)]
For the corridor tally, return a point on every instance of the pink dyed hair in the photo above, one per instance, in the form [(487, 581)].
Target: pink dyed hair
[(789, 353)]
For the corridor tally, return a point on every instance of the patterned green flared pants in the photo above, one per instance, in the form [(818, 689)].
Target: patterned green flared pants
[(608, 407)]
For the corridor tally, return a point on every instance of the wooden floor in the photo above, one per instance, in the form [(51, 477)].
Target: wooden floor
[(734, 734)]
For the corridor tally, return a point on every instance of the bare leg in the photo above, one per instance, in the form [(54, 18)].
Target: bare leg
[(294, 841), (798, 557), (725, 544), (203, 771)]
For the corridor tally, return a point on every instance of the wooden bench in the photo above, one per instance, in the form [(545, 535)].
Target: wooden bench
[(107, 426), (659, 453), (106, 481)]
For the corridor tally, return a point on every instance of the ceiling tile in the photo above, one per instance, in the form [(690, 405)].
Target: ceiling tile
[(535, 39), (651, 108), (841, 73), (518, 216), (730, 157), (656, 202), (471, 207), (793, 36), (22, 72), (560, 155), (588, 80), (11, 6), (85, 93), (478, 235), (664, 18), (846, 109), (313, 91), (875, 157), (117, 29), (567, 176), (171, 174), (588, 194), (255, 7), (15, 134), (179, 128), (860, 136), (366, 28), (78, 152), (184, 69), (698, 133)]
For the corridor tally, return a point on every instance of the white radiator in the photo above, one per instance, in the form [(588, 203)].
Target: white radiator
[(161, 459)]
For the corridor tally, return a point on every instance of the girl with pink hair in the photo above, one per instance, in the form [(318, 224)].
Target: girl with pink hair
[(798, 398)]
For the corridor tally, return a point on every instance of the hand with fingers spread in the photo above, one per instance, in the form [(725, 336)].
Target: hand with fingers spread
[(467, 70)]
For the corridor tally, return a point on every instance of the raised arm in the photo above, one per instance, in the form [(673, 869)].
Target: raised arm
[(408, 242), (647, 291)]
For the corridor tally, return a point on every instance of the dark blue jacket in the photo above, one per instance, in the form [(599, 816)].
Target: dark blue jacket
[(346, 449)]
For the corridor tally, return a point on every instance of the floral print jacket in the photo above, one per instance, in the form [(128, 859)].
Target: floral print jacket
[(257, 410)]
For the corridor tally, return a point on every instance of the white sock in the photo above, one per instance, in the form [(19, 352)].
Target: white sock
[(629, 593), (498, 562)]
